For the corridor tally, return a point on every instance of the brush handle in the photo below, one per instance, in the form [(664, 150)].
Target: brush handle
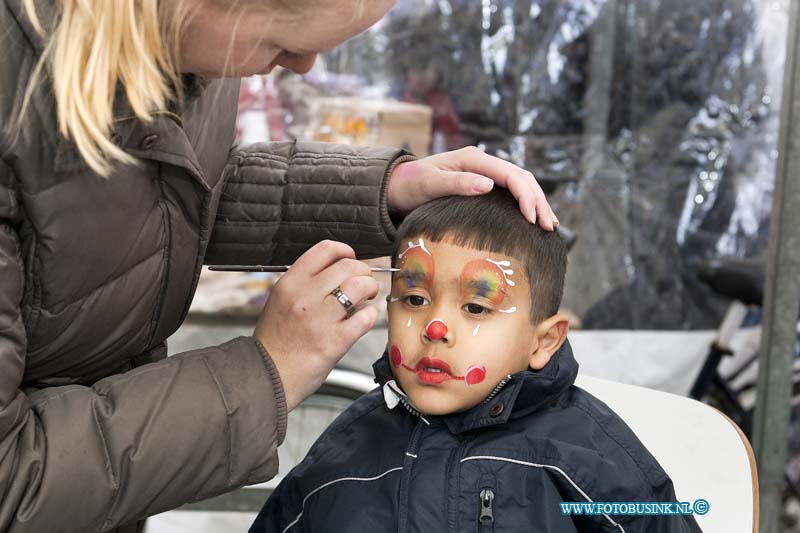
[(274, 268)]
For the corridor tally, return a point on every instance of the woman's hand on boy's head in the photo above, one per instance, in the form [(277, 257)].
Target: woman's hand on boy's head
[(467, 172)]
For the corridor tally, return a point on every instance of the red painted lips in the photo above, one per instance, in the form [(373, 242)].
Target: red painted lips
[(434, 371)]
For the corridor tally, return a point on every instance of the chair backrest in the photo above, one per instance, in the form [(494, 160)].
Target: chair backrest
[(701, 449)]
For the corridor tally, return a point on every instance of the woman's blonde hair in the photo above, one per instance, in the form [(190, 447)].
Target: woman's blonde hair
[(96, 46)]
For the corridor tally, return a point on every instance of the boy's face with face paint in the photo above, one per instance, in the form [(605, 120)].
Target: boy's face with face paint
[(459, 322)]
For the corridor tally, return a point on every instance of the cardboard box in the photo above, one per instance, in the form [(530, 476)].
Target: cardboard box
[(368, 122)]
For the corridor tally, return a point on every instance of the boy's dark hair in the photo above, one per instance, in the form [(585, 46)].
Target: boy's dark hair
[(493, 222)]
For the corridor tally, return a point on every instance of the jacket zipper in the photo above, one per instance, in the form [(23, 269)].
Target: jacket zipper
[(403, 399), (486, 511), (411, 409), (498, 388)]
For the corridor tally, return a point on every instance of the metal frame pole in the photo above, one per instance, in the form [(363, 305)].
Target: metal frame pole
[(782, 297)]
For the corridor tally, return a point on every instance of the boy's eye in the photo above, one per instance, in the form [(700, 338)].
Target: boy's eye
[(475, 309), (415, 300)]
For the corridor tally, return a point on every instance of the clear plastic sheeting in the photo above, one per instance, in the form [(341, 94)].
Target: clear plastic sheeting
[(652, 124)]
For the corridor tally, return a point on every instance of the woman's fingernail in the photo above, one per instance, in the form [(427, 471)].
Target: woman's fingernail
[(483, 185), (555, 222), (533, 216)]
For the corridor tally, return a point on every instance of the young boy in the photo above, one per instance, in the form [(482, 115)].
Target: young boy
[(476, 425)]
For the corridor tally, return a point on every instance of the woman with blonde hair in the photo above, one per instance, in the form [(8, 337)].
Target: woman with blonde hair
[(117, 182)]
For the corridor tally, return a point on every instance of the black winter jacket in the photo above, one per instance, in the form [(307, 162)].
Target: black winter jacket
[(504, 465)]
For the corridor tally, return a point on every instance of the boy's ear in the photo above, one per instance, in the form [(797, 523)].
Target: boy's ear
[(550, 335)]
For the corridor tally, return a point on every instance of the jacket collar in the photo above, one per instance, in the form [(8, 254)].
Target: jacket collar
[(45, 10), (524, 393)]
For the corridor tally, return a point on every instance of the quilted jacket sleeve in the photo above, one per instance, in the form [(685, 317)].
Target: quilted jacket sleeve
[(80, 458), (282, 198)]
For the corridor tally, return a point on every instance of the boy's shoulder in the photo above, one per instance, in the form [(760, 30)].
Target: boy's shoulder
[(586, 434), (361, 412), (364, 426)]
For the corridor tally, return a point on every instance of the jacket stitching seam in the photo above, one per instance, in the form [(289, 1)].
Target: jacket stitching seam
[(165, 232), (20, 262), (336, 155), (258, 183), (120, 378), (324, 485), (228, 413), (305, 222), (12, 197), (138, 372), (43, 402), (185, 162), (310, 156), (34, 46), (344, 163), (244, 156), (36, 303), (301, 183), (114, 476), (622, 445), (299, 205), (77, 299), (32, 314)]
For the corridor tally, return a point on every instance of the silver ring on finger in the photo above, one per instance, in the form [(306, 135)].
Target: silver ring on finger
[(342, 298)]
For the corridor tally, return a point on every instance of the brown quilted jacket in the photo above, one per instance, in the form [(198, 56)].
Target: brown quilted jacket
[(96, 273)]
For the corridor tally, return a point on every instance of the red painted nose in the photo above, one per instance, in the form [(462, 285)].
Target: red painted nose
[(436, 330)]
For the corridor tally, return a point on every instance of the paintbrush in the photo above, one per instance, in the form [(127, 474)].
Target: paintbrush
[(275, 268)]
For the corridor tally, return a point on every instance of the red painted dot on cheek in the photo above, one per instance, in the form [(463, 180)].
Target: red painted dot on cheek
[(396, 356), (474, 375)]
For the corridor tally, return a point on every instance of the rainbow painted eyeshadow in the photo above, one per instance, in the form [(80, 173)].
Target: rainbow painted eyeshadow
[(484, 279), (416, 267)]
